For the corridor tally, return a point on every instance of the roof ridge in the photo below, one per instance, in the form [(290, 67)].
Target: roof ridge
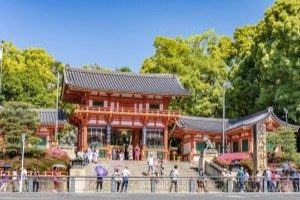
[(48, 109), (266, 111), (121, 73), (208, 118)]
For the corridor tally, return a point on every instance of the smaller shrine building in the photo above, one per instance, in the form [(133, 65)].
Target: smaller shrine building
[(240, 134)]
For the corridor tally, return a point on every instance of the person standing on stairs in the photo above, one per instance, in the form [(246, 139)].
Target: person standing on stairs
[(137, 152), (173, 176), (99, 182), (150, 164), (125, 175), (118, 179)]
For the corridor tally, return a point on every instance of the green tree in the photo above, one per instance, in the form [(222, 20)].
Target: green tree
[(28, 76), (17, 118), (123, 69), (267, 62), (284, 139), (93, 67), (198, 62)]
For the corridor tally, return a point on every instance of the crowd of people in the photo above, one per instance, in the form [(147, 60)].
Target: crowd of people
[(90, 155), (126, 152), (20, 180), (120, 179), (155, 165), (274, 181), (15, 177)]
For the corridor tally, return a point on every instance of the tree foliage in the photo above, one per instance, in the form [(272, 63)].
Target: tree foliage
[(93, 67), (123, 69), (28, 76), (17, 118), (198, 63), (262, 61), (283, 139), (267, 62)]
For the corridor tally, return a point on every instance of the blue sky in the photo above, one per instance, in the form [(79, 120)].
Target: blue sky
[(114, 33)]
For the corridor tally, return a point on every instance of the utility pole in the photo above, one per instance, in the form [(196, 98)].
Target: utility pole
[(22, 165), (1, 58), (56, 119), (286, 111)]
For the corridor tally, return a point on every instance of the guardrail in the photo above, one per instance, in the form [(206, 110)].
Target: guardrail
[(150, 184)]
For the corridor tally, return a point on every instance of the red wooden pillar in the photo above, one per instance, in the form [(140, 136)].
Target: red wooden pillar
[(250, 142), (84, 136), (192, 148), (79, 138), (166, 152), (136, 138)]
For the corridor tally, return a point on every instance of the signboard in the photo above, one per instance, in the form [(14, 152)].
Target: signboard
[(259, 147), (144, 134), (108, 135)]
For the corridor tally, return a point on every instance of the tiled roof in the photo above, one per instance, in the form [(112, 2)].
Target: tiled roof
[(48, 116), (202, 124), (257, 118), (155, 84)]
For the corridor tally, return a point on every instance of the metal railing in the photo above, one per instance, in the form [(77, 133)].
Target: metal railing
[(151, 184)]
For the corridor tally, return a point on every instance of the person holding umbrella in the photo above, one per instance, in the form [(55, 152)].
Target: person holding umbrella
[(101, 172), (4, 180), (55, 179), (99, 182)]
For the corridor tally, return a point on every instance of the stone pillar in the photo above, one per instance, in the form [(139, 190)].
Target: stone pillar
[(259, 147), (166, 149)]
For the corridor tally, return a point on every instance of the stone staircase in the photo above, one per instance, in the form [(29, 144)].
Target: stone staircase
[(139, 181), (139, 168)]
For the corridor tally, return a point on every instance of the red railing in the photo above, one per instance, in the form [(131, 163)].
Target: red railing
[(125, 111)]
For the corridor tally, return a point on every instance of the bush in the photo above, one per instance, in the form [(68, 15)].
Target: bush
[(34, 152), (41, 160), (226, 159)]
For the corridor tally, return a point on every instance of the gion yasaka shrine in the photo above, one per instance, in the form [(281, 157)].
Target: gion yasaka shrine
[(115, 108)]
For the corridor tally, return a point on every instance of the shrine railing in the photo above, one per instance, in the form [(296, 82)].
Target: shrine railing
[(126, 111)]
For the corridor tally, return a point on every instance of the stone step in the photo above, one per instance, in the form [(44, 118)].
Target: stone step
[(139, 168)]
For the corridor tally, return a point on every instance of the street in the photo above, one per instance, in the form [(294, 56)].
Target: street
[(131, 196)]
